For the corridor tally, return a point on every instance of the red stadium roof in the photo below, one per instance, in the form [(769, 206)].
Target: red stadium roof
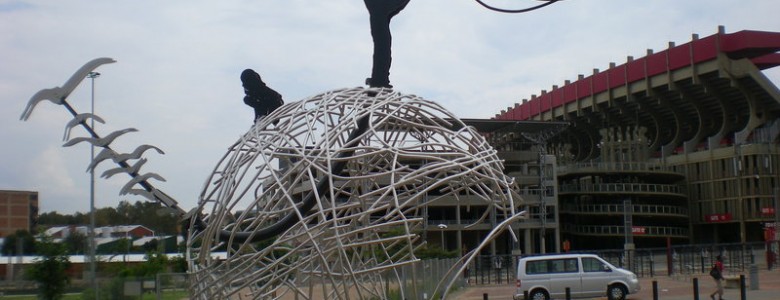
[(759, 46)]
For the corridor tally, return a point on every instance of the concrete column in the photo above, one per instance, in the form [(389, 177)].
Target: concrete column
[(459, 236)]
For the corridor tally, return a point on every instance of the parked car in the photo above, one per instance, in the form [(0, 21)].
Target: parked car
[(586, 275)]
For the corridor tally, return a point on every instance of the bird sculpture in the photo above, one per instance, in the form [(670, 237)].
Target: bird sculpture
[(58, 94)]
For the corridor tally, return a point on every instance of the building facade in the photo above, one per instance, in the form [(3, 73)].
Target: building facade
[(454, 223), (678, 146), (18, 211)]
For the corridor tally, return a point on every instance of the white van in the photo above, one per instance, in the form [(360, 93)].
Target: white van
[(586, 276)]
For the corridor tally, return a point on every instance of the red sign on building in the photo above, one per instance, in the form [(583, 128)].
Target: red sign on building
[(638, 230), (768, 211), (714, 218)]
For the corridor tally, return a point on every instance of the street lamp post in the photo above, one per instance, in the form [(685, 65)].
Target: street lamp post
[(92, 246), (442, 227)]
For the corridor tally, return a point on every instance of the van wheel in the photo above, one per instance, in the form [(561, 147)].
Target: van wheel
[(539, 295), (616, 292)]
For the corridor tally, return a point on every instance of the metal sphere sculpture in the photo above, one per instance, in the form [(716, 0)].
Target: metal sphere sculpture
[(324, 198)]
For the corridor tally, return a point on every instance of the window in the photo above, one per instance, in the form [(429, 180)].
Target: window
[(536, 267), (570, 265), (590, 264), (563, 265)]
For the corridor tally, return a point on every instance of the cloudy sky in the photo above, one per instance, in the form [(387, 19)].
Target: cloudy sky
[(177, 75)]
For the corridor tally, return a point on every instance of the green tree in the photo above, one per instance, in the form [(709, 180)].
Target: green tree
[(20, 242), (81, 218), (152, 215), (178, 264), (55, 219), (76, 243), (154, 263), (151, 246), (124, 210), (49, 270)]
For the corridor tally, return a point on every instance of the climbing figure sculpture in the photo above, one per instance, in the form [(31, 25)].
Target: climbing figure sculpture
[(258, 95), (380, 12)]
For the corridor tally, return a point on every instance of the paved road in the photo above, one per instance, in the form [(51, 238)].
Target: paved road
[(669, 288)]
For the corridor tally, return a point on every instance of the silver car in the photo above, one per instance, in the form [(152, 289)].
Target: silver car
[(586, 276)]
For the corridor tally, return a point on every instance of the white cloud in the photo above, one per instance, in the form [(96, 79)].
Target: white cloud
[(176, 79), (53, 178)]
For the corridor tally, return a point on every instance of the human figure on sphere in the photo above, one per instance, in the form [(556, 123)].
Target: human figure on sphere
[(258, 95), (380, 12)]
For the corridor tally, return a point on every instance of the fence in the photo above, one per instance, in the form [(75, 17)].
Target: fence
[(413, 281), (419, 280), (171, 285), (684, 260)]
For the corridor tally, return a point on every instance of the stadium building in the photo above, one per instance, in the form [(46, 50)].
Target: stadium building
[(678, 146)]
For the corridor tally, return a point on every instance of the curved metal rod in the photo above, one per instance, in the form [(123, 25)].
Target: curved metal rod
[(516, 11), (308, 202)]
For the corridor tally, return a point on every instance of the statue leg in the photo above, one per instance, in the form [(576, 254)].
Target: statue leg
[(380, 13)]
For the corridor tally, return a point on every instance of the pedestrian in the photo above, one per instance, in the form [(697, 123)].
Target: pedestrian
[(380, 12), (258, 95), (717, 274)]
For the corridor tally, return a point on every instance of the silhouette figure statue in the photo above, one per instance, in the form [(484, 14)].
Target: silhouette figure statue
[(258, 95), (380, 12)]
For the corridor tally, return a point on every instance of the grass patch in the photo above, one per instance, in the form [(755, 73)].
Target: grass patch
[(167, 295)]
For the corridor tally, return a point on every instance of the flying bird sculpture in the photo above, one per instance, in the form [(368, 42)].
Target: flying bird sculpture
[(129, 170), (136, 154), (107, 153), (78, 120), (104, 154), (139, 192), (126, 189), (98, 141), (58, 94)]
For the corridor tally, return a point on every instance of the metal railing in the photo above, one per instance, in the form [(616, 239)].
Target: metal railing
[(618, 208), (621, 187), (619, 230), (614, 166)]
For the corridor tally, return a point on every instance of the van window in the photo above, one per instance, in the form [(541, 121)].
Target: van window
[(590, 264), (570, 265), (563, 265), (536, 267)]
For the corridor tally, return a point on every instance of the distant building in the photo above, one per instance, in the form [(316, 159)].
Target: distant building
[(18, 211), (106, 238), (122, 231), (59, 232), (681, 145), (455, 222)]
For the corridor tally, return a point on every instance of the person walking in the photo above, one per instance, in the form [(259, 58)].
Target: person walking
[(717, 274)]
